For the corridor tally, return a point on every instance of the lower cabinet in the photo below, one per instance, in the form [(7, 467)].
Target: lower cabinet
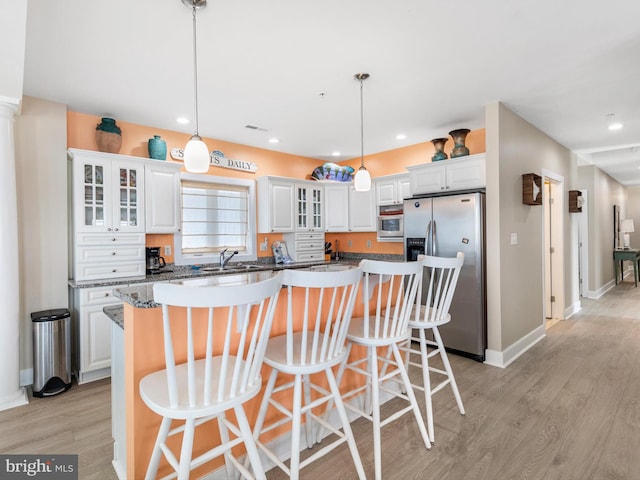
[(92, 332), (305, 246)]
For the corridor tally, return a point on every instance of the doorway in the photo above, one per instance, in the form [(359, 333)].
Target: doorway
[(553, 231)]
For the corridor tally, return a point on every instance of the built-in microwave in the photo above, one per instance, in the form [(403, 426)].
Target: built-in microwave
[(391, 226)]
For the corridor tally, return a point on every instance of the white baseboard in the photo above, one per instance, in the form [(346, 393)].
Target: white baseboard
[(16, 400), (572, 310), (509, 354)]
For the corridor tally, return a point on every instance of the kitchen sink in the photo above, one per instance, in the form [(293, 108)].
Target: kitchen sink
[(232, 268)]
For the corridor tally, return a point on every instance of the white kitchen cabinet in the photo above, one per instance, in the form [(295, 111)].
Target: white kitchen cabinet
[(275, 204), (392, 189), (108, 192), (456, 174), (162, 197), (336, 207), (362, 211), (305, 246), (309, 214), (93, 332)]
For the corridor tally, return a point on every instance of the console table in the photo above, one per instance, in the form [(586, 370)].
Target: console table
[(622, 255)]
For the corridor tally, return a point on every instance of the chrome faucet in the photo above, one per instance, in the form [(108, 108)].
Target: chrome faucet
[(223, 260)]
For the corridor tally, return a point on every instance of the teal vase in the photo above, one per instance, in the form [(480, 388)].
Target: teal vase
[(157, 148), (438, 143), (108, 136), (459, 136)]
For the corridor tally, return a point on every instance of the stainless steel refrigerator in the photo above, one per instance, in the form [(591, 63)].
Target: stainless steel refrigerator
[(443, 225)]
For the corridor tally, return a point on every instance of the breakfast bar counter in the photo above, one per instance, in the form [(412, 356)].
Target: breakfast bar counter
[(138, 351)]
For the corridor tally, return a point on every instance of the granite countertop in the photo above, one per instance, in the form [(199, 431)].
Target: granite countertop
[(115, 313)]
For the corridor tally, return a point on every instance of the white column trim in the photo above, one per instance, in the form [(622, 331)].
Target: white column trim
[(11, 393)]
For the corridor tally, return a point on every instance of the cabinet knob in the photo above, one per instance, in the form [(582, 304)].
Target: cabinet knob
[(106, 294), (113, 253), (115, 229), (114, 270), (113, 239), (109, 229)]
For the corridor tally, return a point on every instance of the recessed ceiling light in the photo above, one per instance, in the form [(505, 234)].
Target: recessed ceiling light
[(336, 154), (615, 126), (182, 120), (401, 136), (274, 140)]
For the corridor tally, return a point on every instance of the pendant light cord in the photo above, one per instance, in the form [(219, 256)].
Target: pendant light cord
[(361, 127), (195, 70)]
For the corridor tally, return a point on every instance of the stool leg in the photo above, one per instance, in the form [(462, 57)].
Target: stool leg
[(375, 406), (252, 451), (447, 367), (412, 397), (224, 439), (187, 449), (309, 420), (346, 427), (294, 465), (152, 469), (426, 382)]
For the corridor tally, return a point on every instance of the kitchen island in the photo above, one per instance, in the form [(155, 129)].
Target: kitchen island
[(138, 350)]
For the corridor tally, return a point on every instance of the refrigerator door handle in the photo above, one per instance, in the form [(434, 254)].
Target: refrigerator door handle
[(427, 247), (434, 240)]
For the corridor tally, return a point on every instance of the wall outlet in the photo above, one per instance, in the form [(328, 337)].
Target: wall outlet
[(264, 245), (514, 239), (349, 244), (368, 243), (167, 250)]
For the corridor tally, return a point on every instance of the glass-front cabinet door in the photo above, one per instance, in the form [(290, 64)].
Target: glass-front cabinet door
[(128, 213), (111, 194), (93, 186), (302, 220), (316, 209), (309, 208)]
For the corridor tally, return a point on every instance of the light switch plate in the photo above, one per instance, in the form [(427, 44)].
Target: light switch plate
[(514, 239), (167, 250)]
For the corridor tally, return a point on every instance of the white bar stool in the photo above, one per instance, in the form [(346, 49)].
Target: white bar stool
[(319, 308), (393, 287), (227, 327), (439, 284)]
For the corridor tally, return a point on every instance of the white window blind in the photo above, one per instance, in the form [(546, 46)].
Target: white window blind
[(214, 217)]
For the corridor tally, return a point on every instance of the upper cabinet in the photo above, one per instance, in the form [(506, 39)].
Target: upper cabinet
[(392, 189), (461, 173), (362, 210), (275, 204), (108, 193), (349, 211), (162, 206), (309, 206)]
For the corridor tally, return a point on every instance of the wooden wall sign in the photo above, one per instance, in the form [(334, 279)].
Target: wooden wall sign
[(531, 189), (218, 159)]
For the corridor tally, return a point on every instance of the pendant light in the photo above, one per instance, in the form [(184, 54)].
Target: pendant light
[(196, 154), (362, 180)]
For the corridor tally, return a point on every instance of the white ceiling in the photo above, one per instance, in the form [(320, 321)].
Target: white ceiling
[(564, 66)]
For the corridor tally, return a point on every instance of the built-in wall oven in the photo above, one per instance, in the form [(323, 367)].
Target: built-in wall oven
[(390, 225)]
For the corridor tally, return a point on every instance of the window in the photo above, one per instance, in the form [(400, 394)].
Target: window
[(217, 213)]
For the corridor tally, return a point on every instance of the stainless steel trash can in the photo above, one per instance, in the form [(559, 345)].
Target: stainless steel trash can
[(51, 353)]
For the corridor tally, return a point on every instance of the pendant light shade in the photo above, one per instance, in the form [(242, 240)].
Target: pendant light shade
[(196, 154), (362, 179)]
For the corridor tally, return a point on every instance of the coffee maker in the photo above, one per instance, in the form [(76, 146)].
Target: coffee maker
[(155, 263)]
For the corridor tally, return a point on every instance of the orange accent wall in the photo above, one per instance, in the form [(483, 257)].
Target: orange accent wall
[(81, 134)]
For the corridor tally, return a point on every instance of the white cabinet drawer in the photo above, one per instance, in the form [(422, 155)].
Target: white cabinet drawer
[(318, 236), (98, 296), (313, 245), (117, 253), (99, 271), (310, 256), (109, 239)]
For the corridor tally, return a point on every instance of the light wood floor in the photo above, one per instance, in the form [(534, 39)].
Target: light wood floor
[(569, 408)]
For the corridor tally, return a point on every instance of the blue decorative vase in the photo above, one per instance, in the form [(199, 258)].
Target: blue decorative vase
[(157, 148)]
